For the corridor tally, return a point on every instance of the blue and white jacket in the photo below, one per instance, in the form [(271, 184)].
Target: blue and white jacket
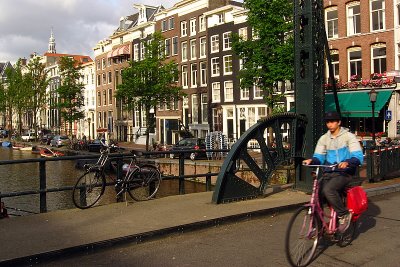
[(344, 147)]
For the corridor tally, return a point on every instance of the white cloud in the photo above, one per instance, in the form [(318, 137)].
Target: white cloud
[(78, 24)]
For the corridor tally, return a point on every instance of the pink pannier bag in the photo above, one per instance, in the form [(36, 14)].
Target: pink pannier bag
[(357, 201)]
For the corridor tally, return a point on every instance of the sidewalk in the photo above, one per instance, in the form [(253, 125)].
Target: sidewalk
[(30, 239)]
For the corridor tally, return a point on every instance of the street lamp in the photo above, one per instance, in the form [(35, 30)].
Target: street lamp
[(372, 97), (89, 126)]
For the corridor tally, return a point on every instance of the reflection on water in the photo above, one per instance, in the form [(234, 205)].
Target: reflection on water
[(25, 177)]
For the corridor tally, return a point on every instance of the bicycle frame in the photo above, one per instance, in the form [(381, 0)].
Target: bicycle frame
[(316, 209)]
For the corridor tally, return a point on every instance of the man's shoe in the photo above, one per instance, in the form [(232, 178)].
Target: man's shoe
[(344, 222)]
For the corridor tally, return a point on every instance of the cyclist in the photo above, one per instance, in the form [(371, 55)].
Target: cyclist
[(337, 146)]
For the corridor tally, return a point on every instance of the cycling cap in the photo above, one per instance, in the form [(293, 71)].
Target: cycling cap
[(332, 116)]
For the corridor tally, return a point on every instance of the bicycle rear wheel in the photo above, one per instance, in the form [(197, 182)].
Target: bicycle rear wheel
[(144, 185), (88, 189), (301, 237)]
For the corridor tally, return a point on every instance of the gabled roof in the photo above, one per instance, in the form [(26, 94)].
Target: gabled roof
[(3, 67), (132, 20)]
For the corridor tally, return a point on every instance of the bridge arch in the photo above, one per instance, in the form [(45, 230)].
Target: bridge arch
[(288, 131)]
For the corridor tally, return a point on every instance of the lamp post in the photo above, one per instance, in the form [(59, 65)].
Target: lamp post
[(89, 126), (372, 97)]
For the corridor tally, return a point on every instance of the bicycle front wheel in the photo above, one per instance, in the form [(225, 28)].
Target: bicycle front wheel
[(301, 237), (144, 185), (88, 189)]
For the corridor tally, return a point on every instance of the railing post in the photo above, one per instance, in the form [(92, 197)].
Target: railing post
[(208, 181), (181, 173), (120, 163), (42, 176)]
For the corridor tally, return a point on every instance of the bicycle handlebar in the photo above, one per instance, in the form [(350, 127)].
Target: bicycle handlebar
[(317, 165)]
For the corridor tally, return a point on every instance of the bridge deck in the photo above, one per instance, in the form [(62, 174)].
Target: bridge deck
[(55, 233)]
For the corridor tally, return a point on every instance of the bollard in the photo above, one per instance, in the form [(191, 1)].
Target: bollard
[(42, 176)]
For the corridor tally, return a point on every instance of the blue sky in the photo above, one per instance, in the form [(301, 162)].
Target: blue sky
[(78, 25)]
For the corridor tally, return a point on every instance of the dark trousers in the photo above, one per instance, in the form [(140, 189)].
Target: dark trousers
[(332, 186)]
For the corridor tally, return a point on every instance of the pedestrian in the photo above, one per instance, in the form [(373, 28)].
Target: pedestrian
[(3, 211), (337, 146)]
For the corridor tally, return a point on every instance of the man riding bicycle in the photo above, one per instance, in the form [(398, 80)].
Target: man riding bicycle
[(341, 147)]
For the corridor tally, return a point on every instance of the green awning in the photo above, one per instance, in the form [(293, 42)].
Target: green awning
[(357, 104)]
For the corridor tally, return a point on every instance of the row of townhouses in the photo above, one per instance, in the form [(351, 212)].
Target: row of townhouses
[(364, 38)]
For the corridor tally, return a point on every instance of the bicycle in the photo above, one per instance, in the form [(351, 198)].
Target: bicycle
[(141, 182), (310, 223)]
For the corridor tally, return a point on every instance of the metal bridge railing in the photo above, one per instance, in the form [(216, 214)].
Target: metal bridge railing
[(118, 157), (382, 161)]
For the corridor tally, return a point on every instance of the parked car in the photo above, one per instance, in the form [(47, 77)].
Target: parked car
[(28, 136), (60, 140), (3, 133), (95, 146), (190, 144), (46, 139)]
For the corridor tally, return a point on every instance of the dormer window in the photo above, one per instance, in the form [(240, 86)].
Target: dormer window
[(121, 23)]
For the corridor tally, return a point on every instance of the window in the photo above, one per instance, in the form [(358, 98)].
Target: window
[(215, 66), (377, 15), (221, 18), (142, 51), (203, 47), (110, 97), (243, 33), (104, 97), (183, 28), (103, 63), (98, 80), (98, 64), (257, 92), (164, 26), (104, 78), (171, 23), (195, 109), (99, 98), (227, 65), (193, 75), (192, 27), (204, 108), (227, 41), (202, 23), (184, 76), (379, 58), (244, 93), (203, 73), (116, 75), (353, 18), (335, 63), (228, 85), (109, 77), (331, 15), (175, 45), (167, 47), (184, 51), (398, 12), (214, 43), (355, 62), (216, 92), (192, 49)]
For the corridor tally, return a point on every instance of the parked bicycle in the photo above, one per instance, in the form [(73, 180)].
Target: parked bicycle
[(311, 222), (141, 182)]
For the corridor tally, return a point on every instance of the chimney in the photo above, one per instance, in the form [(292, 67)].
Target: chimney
[(23, 61)]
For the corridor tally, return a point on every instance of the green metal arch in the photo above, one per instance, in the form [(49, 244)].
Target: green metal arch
[(229, 186)]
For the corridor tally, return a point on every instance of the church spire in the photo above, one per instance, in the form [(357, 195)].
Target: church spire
[(52, 43)]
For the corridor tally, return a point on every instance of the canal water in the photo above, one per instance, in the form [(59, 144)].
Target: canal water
[(25, 177)]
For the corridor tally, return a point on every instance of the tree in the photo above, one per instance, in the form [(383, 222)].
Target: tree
[(70, 91), (268, 56), (15, 95), (38, 81), (150, 81)]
